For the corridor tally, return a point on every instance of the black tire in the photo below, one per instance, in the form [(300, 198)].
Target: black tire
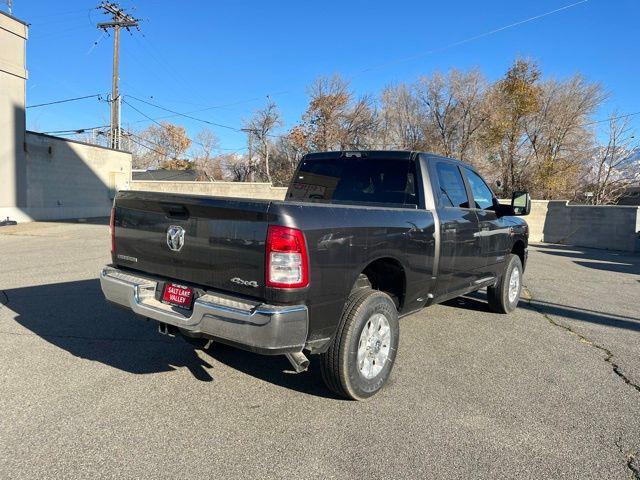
[(498, 295), (339, 364)]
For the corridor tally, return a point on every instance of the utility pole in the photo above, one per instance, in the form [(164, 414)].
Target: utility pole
[(120, 20), (250, 132)]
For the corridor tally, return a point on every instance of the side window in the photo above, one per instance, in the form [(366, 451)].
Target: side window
[(482, 195), (452, 190), (411, 197)]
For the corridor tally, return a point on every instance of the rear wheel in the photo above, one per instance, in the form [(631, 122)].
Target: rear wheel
[(361, 356), (504, 296)]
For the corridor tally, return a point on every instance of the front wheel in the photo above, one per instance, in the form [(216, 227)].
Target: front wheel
[(504, 296), (361, 356)]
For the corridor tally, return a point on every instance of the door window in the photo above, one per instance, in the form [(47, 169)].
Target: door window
[(482, 195), (452, 190)]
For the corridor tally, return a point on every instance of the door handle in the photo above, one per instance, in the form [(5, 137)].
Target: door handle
[(177, 212)]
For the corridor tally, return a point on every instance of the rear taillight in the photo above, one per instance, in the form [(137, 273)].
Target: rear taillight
[(112, 229), (287, 262)]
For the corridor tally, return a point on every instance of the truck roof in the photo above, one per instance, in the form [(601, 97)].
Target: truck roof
[(386, 154)]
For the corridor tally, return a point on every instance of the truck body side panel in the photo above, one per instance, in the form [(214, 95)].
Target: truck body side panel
[(337, 255)]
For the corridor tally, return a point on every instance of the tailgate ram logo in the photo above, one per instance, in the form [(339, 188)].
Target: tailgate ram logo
[(175, 238)]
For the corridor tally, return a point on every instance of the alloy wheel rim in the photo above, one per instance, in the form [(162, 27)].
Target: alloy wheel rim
[(374, 346), (514, 285)]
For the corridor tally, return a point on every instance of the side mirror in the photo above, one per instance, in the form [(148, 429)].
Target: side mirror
[(521, 203)]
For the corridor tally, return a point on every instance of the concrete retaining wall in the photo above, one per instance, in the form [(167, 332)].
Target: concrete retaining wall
[(608, 227), (611, 227), (536, 220), (215, 189)]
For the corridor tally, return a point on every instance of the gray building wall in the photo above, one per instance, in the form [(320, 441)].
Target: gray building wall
[(13, 75), (44, 177), (68, 179)]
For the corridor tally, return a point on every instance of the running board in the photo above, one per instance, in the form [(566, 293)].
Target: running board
[(485, 282)]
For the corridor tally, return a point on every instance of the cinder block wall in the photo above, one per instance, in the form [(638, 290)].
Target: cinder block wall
[(611, 227), (220, 189)]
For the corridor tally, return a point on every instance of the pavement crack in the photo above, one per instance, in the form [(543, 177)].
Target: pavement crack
[(632, 459), (582, 338)]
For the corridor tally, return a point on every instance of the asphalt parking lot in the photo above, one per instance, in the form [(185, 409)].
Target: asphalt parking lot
[(88, 390)]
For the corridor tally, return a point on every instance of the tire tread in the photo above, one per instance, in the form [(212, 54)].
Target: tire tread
[(330, 360)]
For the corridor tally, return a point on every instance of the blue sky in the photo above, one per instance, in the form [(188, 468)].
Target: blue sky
[(194, 54)]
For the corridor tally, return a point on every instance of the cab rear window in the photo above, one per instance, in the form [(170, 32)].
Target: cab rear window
[(390, 182)]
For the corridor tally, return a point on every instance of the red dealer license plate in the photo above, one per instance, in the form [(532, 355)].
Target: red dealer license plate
[(178, 295)]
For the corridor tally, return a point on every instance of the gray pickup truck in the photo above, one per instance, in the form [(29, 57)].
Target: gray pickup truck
[(361, 239)]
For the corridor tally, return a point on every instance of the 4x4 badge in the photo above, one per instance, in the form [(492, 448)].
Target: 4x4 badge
[(246, 283)]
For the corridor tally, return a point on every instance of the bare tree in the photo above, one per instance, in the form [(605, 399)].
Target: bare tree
[(455, 108), (162, 145), (287, 152), (560, 142), (260, 128), (402, 119), (615, 166), (513, 100), (206, 162), (239, 167), (329, 98), (334, 119)]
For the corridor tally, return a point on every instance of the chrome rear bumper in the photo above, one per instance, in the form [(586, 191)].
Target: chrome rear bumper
[(258, 327)]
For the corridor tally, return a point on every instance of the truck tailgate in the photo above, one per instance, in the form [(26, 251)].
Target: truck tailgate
[(224, 239)]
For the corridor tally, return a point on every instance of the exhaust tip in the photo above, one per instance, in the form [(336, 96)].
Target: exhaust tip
[(299, 361)]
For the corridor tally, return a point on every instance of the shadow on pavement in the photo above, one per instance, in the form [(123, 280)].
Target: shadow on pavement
[(274, 370), (74, 316), (478, 302), (607, 260)]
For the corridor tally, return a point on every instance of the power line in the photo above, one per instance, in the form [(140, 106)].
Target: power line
[(183, 114), (187, 116), (163, 154), (157, 123), (164, 126), (76, 130), (473, 38), (60, 14), (98, 95), (610, 118), (406, 59), (142, 139), (382, 65), (142, 113)]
